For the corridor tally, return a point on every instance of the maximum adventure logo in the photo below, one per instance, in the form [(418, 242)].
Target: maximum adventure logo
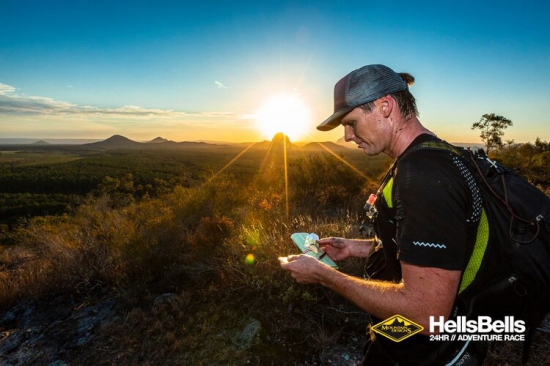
[(397, 328)]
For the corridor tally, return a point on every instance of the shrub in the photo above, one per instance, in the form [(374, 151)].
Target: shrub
[(321, 183)]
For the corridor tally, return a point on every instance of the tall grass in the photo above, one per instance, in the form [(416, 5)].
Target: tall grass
[(102, 243), (214, 249)]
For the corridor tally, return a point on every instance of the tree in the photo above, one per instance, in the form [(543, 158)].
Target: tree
[(492, 129), (541, 146)]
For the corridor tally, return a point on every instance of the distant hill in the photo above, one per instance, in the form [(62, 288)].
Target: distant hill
[(471, 145), (195, 144), (280, 139), (115, 142), (120, 142), (218, 142), (41, 143), (257, 145), (158, 140), (277, 143), (30, 141)]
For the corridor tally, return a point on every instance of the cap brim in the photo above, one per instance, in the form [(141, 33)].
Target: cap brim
[(334, 120)]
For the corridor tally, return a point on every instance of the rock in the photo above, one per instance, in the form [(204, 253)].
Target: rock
[(10, 341), (18, 314), (246, 338), (44, 333), (8, 317), (545, 324)]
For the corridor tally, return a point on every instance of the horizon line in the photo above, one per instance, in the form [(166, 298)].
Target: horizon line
[(76, 140)]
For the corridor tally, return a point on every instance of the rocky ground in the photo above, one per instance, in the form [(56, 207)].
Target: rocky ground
[(49, 333), (61, 330)]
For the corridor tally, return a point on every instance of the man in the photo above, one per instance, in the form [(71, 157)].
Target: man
[(427, 229)]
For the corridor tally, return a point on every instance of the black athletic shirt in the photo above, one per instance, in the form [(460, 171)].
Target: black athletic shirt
[(433, 223), (436, 208)]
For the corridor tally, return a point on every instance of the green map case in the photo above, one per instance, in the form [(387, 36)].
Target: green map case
[(300, 239)]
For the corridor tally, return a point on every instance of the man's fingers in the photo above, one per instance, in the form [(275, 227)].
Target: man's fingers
[(285, 261), (291, 258), (335, 242)]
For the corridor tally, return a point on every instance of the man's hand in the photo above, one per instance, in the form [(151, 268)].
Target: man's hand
[(336, 248), (303, 268), (340, 248)]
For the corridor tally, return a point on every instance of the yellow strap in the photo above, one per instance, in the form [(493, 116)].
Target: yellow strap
[(482, 238), (387, 192)]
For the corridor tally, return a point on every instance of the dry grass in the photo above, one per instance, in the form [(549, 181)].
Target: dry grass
[(143, 250), (21, 274), (176, 332), (215, 249)]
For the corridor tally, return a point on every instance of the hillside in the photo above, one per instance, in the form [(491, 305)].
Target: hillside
[(115, 142), (41, 143), (172, 259), (158, 140), (120, 142)]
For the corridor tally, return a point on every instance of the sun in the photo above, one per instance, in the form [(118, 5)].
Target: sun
[(286, 113)]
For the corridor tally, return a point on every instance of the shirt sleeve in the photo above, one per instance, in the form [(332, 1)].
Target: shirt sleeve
[(432, 202)]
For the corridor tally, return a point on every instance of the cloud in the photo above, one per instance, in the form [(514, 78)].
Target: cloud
[(125, 111), (14, 104), (220, 85), (6, 89), (11, 103)]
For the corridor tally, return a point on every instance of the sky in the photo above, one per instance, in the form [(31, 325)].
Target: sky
[(204, 70)]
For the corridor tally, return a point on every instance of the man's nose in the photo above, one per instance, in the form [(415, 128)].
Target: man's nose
[(348, 133)]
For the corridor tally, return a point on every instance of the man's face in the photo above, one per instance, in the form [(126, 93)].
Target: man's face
[(369, 130)]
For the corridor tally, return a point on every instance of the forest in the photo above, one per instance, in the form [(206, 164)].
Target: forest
[(204, 226), (40, 182)]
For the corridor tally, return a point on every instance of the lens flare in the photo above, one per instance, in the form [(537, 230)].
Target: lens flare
[(249, 259)]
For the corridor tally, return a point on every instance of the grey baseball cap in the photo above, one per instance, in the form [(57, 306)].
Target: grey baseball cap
[(361, 86)]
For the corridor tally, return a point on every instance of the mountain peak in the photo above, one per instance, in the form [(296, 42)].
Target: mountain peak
[(115, 142), (158, 140), (41, 142), (279, 137), (118, 138)]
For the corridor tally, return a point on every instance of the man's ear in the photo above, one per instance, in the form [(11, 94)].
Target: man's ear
[(386, 106)]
